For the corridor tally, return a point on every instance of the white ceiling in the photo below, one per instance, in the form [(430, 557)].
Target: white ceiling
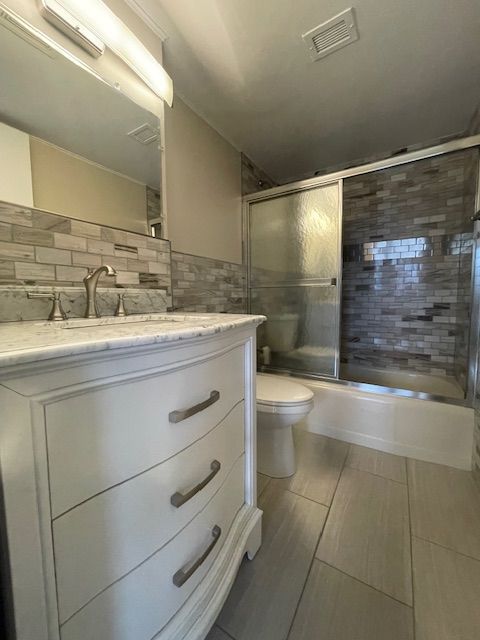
[(412, 77)]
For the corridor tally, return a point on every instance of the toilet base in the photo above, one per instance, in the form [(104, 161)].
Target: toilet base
[(275, 451)]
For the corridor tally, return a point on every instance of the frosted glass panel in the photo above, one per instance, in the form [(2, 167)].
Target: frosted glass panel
[(295, 236), (301, 331), (294, 268)]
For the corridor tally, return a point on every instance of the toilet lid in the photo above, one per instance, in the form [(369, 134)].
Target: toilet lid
[(277, 390)]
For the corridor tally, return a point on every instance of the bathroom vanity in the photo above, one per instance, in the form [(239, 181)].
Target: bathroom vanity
[(128, 468)]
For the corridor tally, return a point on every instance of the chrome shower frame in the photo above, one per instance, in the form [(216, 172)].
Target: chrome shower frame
[(338, 177)]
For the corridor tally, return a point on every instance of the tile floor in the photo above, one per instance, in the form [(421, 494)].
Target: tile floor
[(360, 545)]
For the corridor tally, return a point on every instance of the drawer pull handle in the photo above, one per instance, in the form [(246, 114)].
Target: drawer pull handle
[(180, 498), (183, 414), (183, 574)]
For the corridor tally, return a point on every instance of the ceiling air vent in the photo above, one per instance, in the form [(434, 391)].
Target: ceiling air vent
[(145, 134), (331, 35)]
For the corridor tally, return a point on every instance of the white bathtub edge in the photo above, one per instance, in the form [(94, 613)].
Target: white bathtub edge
[(397, 448), (420, 429)]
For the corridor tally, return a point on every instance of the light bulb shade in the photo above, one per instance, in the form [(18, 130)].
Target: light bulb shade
[(99, 18)]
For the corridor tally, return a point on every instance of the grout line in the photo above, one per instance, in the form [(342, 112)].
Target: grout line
[(442, 546), (387, 595), (307, 575), (411, 548), (222, 629), (300, 495), (376, 475), (318, 542)]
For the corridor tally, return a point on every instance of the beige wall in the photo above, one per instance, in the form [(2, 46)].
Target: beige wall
[(203, 201), (15, 172), (68, 185), (203, 187)]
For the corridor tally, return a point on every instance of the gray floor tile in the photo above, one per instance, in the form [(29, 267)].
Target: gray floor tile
[(367, 534), (217, 634), (378, 463), (337, 607), (319, 463), (266, 592), (262, 482), (447, 593), (445, 506)]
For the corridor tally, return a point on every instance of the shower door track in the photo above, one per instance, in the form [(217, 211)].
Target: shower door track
[(371, 388), (429, 152)]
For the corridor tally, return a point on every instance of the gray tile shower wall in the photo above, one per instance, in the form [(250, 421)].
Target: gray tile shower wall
[(476, 427), (464, 288), (406, 270), (44, 249), (476, 394), (154, 203), (206, 285)]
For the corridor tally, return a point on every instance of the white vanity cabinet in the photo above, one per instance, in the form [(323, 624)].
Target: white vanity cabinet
[(129, 487)]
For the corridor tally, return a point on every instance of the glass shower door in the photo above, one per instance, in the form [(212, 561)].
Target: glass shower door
[(294, 263)]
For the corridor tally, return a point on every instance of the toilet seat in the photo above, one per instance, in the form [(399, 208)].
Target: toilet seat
[(278, 395)]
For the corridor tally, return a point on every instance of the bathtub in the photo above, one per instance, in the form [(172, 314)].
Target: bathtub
[(419, 382), (423, 429)]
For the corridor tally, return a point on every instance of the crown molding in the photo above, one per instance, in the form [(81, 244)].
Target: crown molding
[(148, 19)]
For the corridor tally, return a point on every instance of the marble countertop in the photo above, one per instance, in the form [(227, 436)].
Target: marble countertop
[(31, 341)]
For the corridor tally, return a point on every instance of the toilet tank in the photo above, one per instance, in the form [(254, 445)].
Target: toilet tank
[(281, 331)]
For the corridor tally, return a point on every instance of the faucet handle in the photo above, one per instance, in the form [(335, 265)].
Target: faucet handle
[(57, 312), (120, 311)]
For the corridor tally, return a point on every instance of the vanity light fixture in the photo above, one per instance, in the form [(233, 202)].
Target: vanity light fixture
[(63, 20), (106, 26)]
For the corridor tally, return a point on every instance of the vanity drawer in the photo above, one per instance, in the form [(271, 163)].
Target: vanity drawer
[(140, 604), (101, 540), (103, 437)]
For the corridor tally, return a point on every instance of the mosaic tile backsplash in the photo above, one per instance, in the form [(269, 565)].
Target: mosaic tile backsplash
[(206, 285), (407, 242), (40, 249)]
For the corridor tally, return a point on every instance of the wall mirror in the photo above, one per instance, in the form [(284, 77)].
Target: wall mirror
[(70, 143)]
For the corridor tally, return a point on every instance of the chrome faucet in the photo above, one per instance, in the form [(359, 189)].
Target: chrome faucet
[(90, 283)]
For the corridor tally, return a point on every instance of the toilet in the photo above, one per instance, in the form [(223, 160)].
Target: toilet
[(281, 403), (281, 331)]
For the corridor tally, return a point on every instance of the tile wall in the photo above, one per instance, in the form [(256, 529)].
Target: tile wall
[(475, 129), (154, 203), (406, 271), (40, 249), (206, 285), (476, 397)]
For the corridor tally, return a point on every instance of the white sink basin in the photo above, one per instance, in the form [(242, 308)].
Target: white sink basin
[(164, 318)]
